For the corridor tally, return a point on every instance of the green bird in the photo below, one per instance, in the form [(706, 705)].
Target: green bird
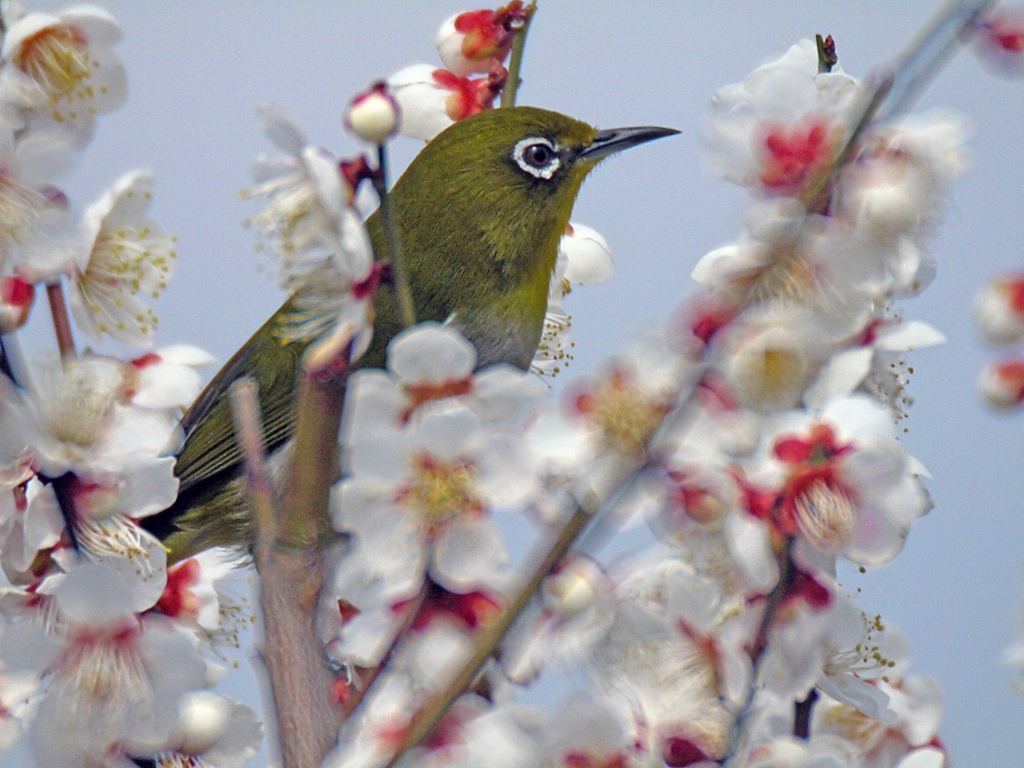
[(479, 215)]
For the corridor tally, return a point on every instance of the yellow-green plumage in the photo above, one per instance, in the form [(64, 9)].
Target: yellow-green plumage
[(479, 232)]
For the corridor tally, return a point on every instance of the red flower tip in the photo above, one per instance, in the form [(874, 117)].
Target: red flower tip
[(679, 752), (17, 292)]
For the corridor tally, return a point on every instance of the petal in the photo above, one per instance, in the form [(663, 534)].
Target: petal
[(99, 27), (588, 256), (430, 353), (281, 128), (94, 594), (839, 376), (469, 555), (908, 335)]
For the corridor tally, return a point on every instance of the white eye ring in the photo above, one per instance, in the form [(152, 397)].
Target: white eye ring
[(528, 162)]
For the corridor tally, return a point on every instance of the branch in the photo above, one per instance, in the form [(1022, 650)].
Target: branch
[(491, 635), (292, 539), (61, 321), (515, 62)]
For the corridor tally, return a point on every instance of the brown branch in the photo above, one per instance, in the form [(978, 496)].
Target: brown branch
[(61, 321), (488, 638), (292, 542), (412, 613)]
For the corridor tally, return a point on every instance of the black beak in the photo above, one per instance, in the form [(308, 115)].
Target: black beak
[(617, 139)]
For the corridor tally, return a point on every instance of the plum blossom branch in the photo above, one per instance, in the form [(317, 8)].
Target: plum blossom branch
[(515, 64), (491, 635), (292, 541), (61, 320)]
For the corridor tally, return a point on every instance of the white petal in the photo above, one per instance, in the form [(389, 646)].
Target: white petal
[(468, 555), (167, 386), (589, 258), (925, 757), (94, 594), (909, 335), (99, 27), (430, 353), (839, 376), (281, 128)]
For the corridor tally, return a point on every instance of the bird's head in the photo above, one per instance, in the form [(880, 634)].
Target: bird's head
[(517, 171), (481, 211)]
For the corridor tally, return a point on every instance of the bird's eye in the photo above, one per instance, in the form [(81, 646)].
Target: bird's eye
[(537, 157)]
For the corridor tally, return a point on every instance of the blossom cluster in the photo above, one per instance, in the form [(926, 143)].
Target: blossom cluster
[(755, 436), (106, 654)]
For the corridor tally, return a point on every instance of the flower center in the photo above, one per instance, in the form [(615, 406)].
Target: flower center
[(855, 726), (792, 156), (824, 515), (441, 491), (79, 407), (122, 264), (58, 60), (102, 680), (625, 416), (294, 217)]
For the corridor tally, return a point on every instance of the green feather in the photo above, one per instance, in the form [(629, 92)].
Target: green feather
[(480, 238)]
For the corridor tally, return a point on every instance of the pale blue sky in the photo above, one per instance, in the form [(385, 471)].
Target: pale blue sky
[(197, 69)]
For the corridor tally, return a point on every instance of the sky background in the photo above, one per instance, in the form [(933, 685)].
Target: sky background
[(197, 70)]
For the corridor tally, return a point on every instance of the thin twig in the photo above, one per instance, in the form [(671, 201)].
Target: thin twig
[(413, 612), (245, 411), (491, 635), (515, 62), (61, 321), (399, 274), (787, 573)]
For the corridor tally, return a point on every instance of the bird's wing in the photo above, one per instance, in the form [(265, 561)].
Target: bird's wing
[(210, 445)]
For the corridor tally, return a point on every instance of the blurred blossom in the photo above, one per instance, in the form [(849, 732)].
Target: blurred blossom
[(999, 310), (323, 252), (782, 125), (999, 41), (1001, 384)]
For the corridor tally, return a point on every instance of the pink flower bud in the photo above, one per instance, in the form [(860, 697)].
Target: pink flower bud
[(1001, 384), (373, 116), (431, 99), (1000, 41), (472, 42), (999, 310)]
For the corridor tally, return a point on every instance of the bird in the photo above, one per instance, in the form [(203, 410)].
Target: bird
[(479, 215)]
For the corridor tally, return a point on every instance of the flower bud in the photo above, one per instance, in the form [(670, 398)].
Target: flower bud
[(999, 310), (570, 591), (1000, 41), (202, 718), (472, 42), (431, 99), (374, 115), (1001, 384)]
